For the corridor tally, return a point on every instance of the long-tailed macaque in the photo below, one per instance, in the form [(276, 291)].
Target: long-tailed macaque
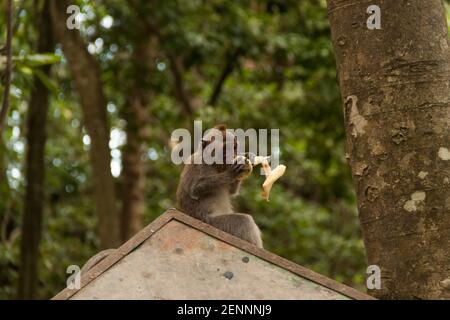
[(205, 189)]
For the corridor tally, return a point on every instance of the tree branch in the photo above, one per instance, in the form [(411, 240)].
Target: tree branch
[(180, 89), (227, 70), (6, 102), (175, 66)]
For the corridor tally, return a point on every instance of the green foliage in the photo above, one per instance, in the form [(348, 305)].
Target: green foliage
[(36, 60)]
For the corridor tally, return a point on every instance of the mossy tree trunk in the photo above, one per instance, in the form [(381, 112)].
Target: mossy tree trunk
[(136, 112), (86, 73), (395, 85), (35, 168)]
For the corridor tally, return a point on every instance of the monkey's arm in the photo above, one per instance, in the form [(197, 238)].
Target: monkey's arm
[(234, 187), (208, 184)]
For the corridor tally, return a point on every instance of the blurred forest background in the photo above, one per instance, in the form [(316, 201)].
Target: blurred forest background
[(116, 89)]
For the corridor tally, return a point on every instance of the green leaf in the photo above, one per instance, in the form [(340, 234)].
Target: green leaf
[(37, 60), (25, 70)]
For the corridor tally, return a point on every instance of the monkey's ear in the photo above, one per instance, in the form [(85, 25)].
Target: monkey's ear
[(221, 127)]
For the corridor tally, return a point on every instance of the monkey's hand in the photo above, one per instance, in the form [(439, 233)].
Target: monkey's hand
[(239, 170)]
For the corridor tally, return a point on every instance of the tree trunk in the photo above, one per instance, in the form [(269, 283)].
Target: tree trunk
[(231, 59), (395, 84), (86, 72), (136, 114), (133, 168), (35, 168)]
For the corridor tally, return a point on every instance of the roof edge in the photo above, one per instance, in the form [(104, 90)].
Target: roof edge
[(171, 214)]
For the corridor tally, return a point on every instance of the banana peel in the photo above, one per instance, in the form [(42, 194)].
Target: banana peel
[(271, 175)]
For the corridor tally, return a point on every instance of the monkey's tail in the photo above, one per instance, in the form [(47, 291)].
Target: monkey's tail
[(93, 261)]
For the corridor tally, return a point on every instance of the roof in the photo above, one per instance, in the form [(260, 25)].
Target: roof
[(179, 257)]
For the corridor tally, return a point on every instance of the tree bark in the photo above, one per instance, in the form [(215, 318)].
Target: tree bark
[(35, 168), (133, 169), (86, 72), (136, 114), (395, 85)]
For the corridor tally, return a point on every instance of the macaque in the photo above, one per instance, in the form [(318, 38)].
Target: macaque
[(205, 190)]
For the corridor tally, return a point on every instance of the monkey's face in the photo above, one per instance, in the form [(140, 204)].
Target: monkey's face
[(222, 146), (230, 148)]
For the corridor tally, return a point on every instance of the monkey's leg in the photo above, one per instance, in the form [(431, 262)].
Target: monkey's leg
[(240, 225)]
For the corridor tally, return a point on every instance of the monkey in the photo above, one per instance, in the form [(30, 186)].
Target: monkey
[(205, 190)]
